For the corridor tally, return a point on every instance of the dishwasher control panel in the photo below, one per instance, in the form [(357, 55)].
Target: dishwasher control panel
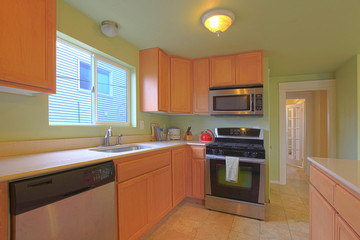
[(99, 174)]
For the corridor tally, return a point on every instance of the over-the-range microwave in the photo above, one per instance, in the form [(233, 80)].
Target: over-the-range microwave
[(236, 101)]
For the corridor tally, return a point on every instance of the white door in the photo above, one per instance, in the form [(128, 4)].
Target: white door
[(295, 134)]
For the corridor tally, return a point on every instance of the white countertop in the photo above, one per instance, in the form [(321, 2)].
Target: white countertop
[(18, 167), (345, 171)]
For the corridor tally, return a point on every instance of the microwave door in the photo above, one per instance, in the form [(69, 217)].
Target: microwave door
[(232, 104)]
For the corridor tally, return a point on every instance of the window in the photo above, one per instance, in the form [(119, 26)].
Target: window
[(90, 89)]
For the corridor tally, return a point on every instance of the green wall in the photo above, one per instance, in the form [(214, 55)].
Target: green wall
[(26, 118), (274, 116), (347, 109)]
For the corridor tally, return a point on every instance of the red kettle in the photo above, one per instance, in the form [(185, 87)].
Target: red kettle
[(205, 135)]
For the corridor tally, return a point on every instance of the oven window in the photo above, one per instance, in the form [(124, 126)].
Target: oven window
[(244, 177), (232, 103), (247, 187)]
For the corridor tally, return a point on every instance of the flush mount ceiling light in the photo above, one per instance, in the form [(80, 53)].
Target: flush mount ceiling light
[(109, 28), (218, 20)]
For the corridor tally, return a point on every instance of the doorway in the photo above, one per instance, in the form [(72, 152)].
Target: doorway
[(295, 132), (303, 90)]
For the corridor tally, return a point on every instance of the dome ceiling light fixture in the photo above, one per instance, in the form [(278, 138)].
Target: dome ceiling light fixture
[(218, 20), (109, 28)]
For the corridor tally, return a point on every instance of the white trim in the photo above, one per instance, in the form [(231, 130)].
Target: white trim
[(275, 182), (329, 86)]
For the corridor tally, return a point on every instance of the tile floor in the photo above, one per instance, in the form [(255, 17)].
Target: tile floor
[(287, 217)]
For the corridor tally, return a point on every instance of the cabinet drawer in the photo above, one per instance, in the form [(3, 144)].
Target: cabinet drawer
[(348, 206), (142, 165), (198, 152), (323, 184)]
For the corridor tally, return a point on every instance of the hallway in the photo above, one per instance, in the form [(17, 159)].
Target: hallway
[(287, 217)]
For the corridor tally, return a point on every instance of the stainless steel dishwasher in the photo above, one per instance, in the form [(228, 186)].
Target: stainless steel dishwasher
[(75, 204)]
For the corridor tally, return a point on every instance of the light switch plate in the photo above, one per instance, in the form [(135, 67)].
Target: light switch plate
[(141, 124)]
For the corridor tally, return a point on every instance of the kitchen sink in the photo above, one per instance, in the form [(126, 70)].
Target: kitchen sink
[(119, 148)]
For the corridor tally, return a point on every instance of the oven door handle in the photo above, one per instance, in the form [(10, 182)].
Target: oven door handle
[(242, 159)]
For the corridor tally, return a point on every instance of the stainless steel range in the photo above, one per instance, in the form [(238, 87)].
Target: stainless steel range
[(245, 194)]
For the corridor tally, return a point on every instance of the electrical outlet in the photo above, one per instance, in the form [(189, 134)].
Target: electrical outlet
[(141, 124)]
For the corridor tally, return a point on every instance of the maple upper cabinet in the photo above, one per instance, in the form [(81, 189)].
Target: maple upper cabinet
[(222, 71), (242, 69), (154, 80), (249, 68), (201, 83), (181, 85), (27, 45)]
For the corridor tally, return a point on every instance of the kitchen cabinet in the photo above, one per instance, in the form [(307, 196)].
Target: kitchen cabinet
[(154, 80), (242, 69), (178, 174), (144, 192), (181, 87), (322, 216), (4, 210), (133, 197), (249, 68), (222, 71), (333, 208), (343, 230), (27, 45), (198, 172), (201, 80), (160, 194)]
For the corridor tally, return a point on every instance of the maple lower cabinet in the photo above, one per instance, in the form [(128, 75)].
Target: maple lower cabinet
[(343, 231), (222, 71), (27, 45), (333, 208), (160, 193), (154, 80), (144, 192), (198, 171), (322, 217), (133, 207), (178, 174), (4, 210), (201, 79), (181, 85), (249, 68)]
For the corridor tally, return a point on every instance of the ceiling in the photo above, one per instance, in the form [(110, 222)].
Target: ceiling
[(298, 36)]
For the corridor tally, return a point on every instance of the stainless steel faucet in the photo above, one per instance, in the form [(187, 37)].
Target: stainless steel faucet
[(119, 138), (107, 137)]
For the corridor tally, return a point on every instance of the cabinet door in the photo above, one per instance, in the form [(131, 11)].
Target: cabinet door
[(344, 231), (222, 71), (27, 44), (322, 217), (201, 78), (249, 68), (133, 198), (160, 194), (4, 210), (181, 85), (164, 82), (198, 170), (178, 174)]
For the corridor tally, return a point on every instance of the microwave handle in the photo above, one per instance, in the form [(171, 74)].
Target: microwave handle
[(252, 100)]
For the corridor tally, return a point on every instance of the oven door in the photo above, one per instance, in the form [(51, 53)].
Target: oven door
[(250, 185)]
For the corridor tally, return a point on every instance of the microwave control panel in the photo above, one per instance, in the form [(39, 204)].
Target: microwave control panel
[(258, 102)]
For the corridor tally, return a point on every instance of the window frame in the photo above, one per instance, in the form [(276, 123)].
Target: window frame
[(93, 90), (96, 93)]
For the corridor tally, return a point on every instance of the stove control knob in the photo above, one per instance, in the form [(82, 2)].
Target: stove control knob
[(220, 152), (254, 155), (213, 151), (246, 154)]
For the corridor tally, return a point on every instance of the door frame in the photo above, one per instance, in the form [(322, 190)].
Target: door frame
[(329, 86)]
